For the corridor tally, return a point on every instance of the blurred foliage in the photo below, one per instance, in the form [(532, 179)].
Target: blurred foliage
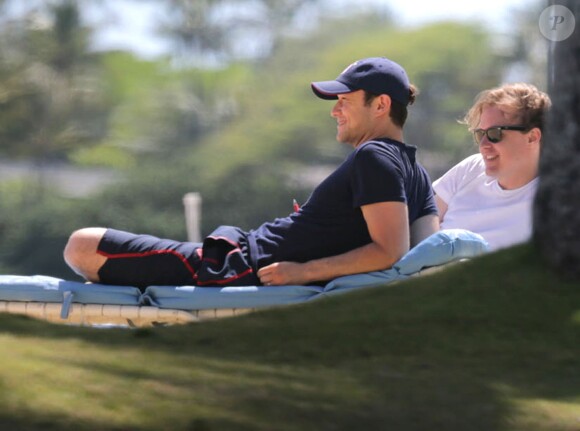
[(220, 31), (50, 98), (526, 51), (248, 134), (34, 227), (160, 111)]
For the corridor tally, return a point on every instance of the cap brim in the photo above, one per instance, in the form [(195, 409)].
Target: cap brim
[(329, 90)]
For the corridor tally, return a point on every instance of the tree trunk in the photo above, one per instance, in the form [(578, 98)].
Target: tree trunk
[(557, 204)]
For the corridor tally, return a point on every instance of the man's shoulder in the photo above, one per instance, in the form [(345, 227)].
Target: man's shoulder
[(469, 171), (469, 168), (387, 146), (475, 161), (385, 143)]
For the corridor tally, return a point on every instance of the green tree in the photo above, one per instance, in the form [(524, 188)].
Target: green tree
[(50, 99), (160, 112), (213, 29)]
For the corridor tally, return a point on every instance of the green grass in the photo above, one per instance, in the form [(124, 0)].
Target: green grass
[(491, 344)]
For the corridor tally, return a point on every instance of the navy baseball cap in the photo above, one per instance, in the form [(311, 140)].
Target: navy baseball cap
[(377, 75)]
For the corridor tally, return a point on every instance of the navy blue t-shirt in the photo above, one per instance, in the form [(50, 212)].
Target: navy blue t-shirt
[(331, 220)]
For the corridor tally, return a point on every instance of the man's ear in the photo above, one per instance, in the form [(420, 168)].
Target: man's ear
[(535, 135), (383, 105)]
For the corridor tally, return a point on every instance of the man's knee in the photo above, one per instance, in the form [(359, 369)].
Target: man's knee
[(80, 252)]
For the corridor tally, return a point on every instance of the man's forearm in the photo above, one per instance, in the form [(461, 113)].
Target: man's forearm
[(370, 257)]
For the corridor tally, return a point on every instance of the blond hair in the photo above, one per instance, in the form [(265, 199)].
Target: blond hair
[(523, 101)]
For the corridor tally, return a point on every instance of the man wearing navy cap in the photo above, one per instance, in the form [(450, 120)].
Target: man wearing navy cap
[(364, 217)]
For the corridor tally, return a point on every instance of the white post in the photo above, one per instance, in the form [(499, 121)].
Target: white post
[(192, 204)]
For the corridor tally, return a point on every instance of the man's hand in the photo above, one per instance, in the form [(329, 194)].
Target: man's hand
[(281, 273)]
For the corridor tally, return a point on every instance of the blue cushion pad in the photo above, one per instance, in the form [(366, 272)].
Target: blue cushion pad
[(440, 248)]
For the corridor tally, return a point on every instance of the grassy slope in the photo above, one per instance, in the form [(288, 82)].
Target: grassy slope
[(491, 344)]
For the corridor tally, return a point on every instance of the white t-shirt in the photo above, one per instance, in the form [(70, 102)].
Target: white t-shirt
[(476, 202)]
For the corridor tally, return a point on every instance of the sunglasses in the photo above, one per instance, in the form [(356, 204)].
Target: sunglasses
[(494, 134)]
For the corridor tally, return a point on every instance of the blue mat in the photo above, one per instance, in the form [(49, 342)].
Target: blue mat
[(440, 248)]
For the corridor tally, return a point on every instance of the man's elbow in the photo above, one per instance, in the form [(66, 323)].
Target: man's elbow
[(424, 227), (387, 257)]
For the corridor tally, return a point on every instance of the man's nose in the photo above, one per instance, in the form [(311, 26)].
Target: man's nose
[(335, 109), (484, 142)]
